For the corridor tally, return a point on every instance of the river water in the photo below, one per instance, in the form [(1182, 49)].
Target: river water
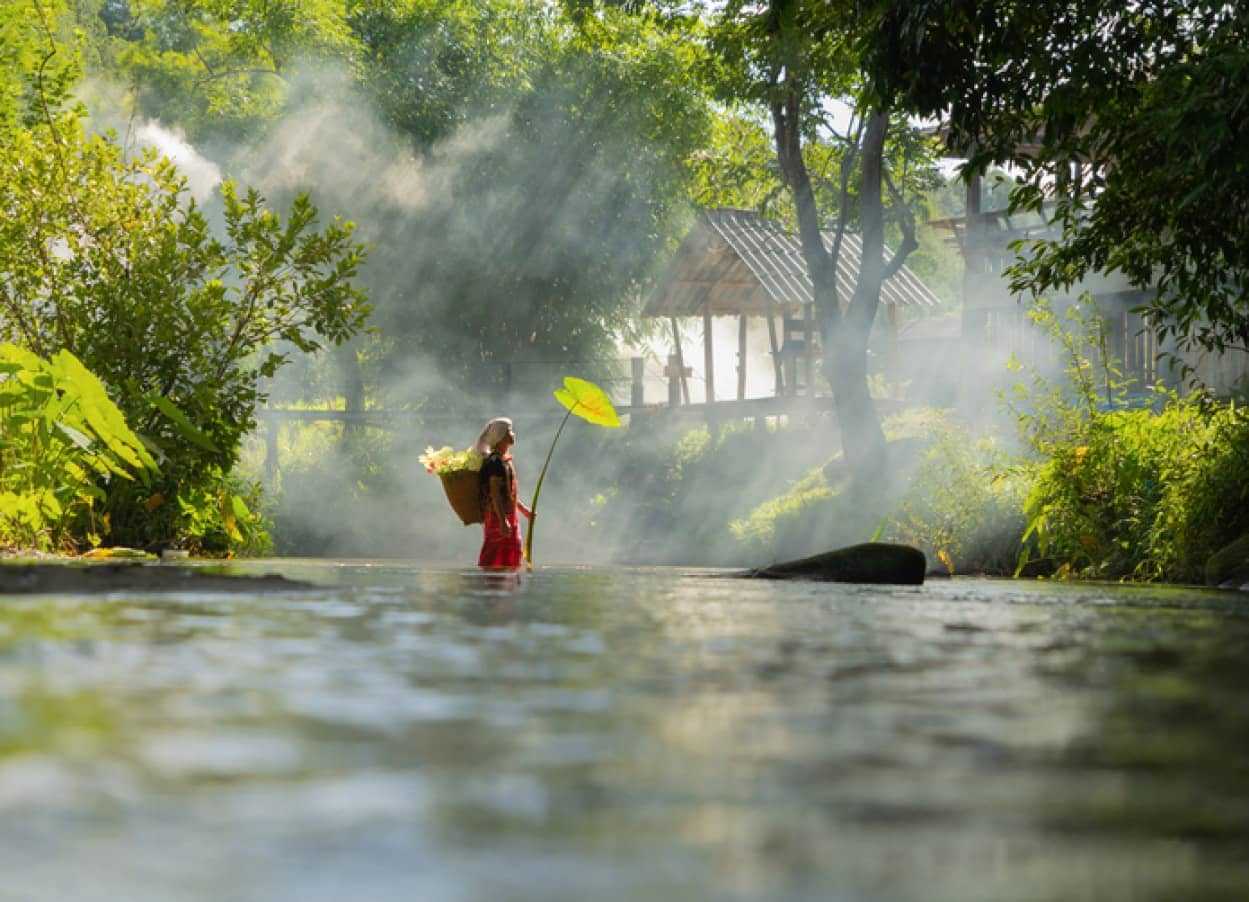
[(413, 733)]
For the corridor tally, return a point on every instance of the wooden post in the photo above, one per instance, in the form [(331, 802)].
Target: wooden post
[(892, 311), (676, 377), (709, 362), (637, 397), (973, 263), (741, 358), (808, 346), (776, 352), (676, 341)]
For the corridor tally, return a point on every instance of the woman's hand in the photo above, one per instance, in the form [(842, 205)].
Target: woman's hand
[(529, 514)]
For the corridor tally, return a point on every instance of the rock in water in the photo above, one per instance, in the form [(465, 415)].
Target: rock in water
[(1229, 566), (871, 562)]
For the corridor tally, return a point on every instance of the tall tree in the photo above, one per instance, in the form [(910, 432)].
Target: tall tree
[(794, 57), (560, 154), (545, 161)]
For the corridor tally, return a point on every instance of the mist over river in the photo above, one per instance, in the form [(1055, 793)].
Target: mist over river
[(415, 733)]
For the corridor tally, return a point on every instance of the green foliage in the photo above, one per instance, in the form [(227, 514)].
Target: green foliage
[(564, 150), (556, 149), (220, 70), (963, 505), (1127, 493), (1144, 495), (222, 515), (1049, 411), (62, 443), (473, 58), (757, 532), (39, 62), (1148, 98), (669, 496), (738, 168), (107, 257), (822, 509)]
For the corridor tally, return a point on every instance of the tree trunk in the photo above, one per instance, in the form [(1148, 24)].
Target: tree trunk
[(844, 338), (353, 385), (862, 437)]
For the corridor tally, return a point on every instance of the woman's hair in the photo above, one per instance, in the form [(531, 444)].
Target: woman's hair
[(491, 434)]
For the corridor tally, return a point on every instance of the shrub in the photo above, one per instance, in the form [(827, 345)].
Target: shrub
[(107, 257), (223, 516), (757, 532), (963, 505), (1146, 493), (1143, 494), (662, 491), (61, 441)]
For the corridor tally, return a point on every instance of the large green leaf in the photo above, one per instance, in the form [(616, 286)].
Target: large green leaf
[(185, 427), (588, 401), (241, 510), (99, 412)]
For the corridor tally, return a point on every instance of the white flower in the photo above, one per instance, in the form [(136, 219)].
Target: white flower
[(447, 460)]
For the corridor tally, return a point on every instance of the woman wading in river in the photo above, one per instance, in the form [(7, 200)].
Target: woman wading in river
[(499, 504)]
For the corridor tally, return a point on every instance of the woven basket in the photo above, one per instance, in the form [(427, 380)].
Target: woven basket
[(463, 488)]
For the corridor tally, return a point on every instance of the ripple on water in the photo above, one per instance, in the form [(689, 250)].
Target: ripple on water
[(412, 732)]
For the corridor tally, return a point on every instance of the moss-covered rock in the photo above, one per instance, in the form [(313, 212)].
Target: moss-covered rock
[(1230, 564), (871, 562)]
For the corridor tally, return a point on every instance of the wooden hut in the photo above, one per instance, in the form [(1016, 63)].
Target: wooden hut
[(736, 263)]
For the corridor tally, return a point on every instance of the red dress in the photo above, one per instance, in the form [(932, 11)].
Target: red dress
[(501, 546)]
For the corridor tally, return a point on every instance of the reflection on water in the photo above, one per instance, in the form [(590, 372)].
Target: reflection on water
[(410, 733)]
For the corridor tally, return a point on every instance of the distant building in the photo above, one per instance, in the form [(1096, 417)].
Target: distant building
[(736, 263), (994, 320)]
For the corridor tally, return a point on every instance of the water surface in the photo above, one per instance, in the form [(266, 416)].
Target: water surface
[(410, 733)]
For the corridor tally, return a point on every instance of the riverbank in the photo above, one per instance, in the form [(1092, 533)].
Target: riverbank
[(64, 575)]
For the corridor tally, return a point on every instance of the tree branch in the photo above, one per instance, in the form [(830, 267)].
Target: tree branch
[(843, 203), (906, 221)]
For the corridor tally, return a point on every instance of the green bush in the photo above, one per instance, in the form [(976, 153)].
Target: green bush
[(108, 257), (757, 532), (62, 443), (661, 491), (1144, 495), (822, 510), (963, 506), (223, 516)]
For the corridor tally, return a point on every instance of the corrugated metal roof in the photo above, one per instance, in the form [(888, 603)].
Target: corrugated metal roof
[(736, 262)]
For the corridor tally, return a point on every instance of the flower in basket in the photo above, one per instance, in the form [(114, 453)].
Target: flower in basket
[(458, 472), (446, 460)]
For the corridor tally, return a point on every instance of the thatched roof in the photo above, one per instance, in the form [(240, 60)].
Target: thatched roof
[(733, 262)]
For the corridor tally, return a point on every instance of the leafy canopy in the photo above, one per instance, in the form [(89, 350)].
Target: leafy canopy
[(1148, 98)]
